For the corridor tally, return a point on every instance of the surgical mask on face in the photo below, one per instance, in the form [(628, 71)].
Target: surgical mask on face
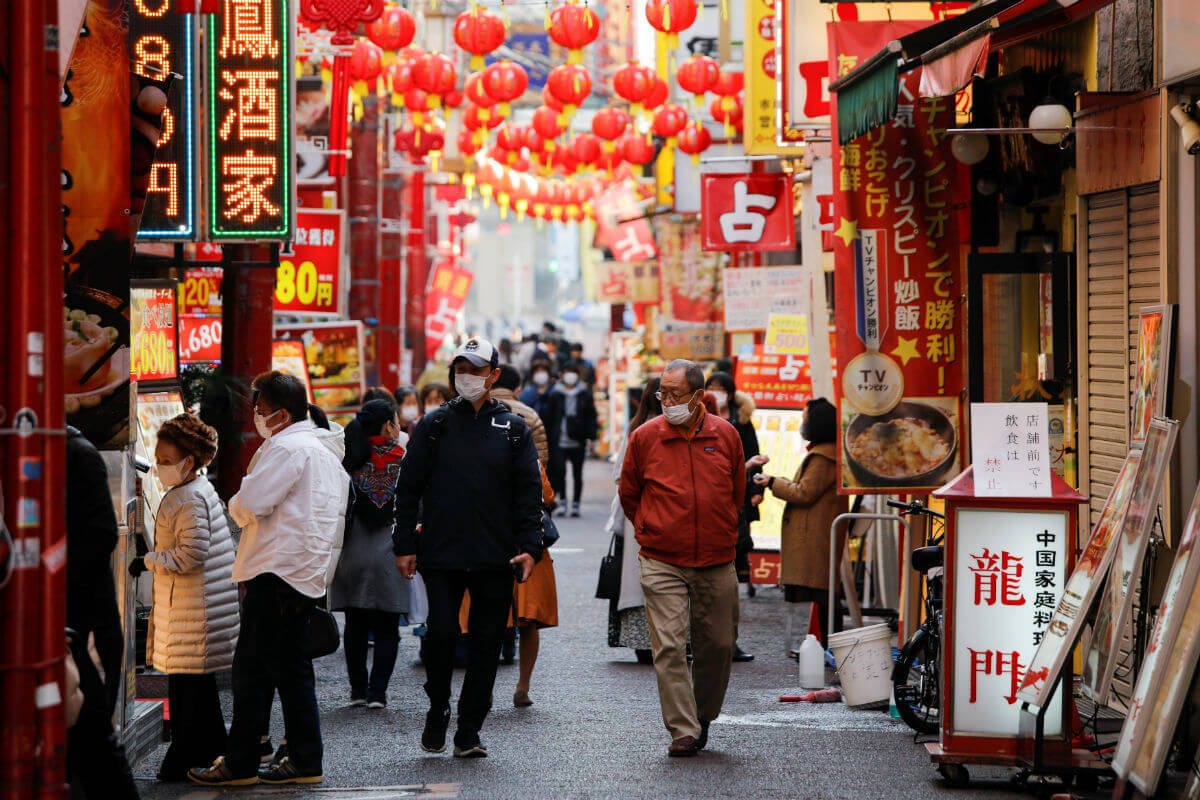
[(409, 413), (172, 474), (471, 387), (721, 397), (540, 378), (570, 379), (260, 424), (678, 415)]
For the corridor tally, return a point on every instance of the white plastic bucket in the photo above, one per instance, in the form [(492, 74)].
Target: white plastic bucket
[(864, 663)]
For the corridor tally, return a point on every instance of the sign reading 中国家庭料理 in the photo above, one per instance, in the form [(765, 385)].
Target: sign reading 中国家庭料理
[(163, 41), (249, 130), (1010, 443)]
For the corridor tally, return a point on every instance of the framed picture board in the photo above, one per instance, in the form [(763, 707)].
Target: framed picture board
[(1151, 383)]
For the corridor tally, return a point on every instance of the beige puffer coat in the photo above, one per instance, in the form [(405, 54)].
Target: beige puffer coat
[(194, 624)]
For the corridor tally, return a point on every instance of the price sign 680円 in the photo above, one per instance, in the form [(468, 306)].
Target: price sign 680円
[(309, 280), (250, 135)]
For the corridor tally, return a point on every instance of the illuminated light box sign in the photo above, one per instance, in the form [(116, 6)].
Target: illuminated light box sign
[(249, 131), (155, 340), (161, 42)]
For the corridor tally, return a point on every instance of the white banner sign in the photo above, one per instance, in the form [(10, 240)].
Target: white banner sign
[(1010, 443), (753, 294)]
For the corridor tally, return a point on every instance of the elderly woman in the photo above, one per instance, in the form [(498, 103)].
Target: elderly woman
[(194, 623)]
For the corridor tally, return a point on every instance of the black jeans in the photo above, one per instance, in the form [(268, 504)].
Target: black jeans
[(559, 458), (269, 657), (386, 628), (491, 599), (96, 763), (197, 725)]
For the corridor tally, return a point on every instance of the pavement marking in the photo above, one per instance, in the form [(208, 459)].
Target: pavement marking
[(830, 718), (560, 551), (426, 791)]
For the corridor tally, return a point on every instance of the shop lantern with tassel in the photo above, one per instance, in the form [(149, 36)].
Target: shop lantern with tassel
[(508, 139), (397, 76), (478, 32), (668, 122), (506, 81), (570, 84), (726, 110), (453, 99), (574, 27), (609, 124), (656, 96), (472, 119), (694, 140), (565, 160), (586, 149), (393, 31), (632, 83), (669, 17), (636, 148), (533, 141), (546, 124), (467, 144), (477, 94), (342, 18), (698, 75), (366, 65), (552, 102), (417, 104), (434, 74)]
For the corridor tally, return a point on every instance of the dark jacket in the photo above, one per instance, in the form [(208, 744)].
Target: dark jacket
[(91, 538), (682, 496), (477, 477), (538, 401), (555, 417), (741, 417)]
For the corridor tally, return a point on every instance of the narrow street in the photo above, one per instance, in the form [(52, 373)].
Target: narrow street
[(595, 729)]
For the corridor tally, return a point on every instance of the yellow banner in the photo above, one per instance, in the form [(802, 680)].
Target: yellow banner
[(787, 334)]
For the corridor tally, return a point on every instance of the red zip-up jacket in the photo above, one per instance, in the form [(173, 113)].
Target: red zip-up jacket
[(683, 496)]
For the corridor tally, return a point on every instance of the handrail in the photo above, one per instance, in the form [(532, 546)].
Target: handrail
[(834, 554)]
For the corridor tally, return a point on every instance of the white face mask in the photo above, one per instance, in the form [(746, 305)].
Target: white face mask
[(680, 414), (721, 398), (172, 474), (540, 378), (570, 379), (409, 413), (260, 424), (471, 387)]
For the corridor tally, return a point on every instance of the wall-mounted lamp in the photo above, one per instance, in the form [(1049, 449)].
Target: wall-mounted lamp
[(969, 149), (1189, 129), (1050, 115)]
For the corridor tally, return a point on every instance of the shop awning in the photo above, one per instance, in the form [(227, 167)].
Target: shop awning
[(868, 95)]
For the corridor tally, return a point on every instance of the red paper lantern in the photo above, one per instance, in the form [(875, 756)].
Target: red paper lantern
[(550, 100), (657, 95), (726, 109), (636, 148), (609, 160), (521, 164), (366, 65), (417, 102), (479, 32), (398, 77), (532, 140), (545, 122), (586, 148), (670, 17), (473, 118), (729, 83), (609, 124), (505, 81), (698, 75), (570, 84), (574, 27), (565, 161), (467, 144), (394, 30), (453, 99), (633, 82), (694, 140), (669, 121), (508, 139), (434, 74)]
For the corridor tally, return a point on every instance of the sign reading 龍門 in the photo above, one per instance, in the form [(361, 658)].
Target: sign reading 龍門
[(249, 132), (163, 41)]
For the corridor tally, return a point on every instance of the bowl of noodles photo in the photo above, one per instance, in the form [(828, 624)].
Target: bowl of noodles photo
[(911, 445)]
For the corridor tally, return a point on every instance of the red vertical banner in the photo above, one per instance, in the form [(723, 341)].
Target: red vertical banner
[(418, 267), (447, 292), (899, 288)]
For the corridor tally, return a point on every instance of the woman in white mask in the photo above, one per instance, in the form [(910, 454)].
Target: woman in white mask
[(194, 622)]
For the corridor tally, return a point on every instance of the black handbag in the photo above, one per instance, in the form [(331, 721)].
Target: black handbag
[(550, 533), (608, 587), (322, 636)]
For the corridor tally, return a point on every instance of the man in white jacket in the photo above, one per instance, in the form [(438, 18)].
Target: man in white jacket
[(289, 508)]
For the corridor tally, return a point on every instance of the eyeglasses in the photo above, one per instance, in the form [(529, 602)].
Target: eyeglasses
[(663, 396)]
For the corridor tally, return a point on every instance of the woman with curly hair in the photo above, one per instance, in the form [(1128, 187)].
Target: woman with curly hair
[(194, 623)]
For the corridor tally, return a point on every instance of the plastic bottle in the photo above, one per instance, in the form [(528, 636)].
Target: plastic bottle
[(812, 663)]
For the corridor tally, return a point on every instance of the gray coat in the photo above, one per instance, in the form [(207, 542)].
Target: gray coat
[(366, 575), (194, 624)]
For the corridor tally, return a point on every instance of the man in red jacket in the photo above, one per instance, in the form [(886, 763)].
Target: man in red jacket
[(682, 485)]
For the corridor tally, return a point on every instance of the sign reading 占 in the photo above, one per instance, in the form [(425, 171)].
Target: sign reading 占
[(249, 90), (163, 41), (747, 212)]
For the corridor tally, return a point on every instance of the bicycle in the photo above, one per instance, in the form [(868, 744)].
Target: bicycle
[(916, 678)]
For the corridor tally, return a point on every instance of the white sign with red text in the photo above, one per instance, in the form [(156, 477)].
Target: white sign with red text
[(1009, 571)]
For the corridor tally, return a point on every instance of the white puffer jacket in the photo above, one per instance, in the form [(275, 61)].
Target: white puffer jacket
[(194, 624)]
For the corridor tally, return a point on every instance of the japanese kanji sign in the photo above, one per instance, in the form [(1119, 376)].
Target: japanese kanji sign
[(164, 42), (747, 212), (199, 339), (333, 352), (773, 380), (898, 285), (626, 282), (1010, 445), (787, 334), (155, 355), (752, 294), (691, 302), (250, 134), (308, 281), (448, 287), (1009, 570), (621, 225)]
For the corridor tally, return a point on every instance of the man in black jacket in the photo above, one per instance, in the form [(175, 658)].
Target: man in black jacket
[(472, 467)]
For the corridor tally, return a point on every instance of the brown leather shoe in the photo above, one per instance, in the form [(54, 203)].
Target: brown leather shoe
[(683, 747)]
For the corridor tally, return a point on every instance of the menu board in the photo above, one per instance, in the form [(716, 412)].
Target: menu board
[(779, 437), (155, 354), (153, 409), (333, 353), (287, 356)]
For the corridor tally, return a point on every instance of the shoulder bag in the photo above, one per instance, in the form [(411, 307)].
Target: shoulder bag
[(322, 637), (608, 587)]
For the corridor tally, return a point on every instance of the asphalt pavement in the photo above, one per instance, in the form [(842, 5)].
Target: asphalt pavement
[(595, 730)]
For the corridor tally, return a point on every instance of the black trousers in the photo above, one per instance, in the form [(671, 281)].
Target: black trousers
[(197, 725), (559, 458), (385, 626), (96, 762), (269, 657), (491, 599)]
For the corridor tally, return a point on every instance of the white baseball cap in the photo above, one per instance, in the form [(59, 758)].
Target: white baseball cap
[(478, 351)]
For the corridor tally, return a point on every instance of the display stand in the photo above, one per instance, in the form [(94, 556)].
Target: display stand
[(1007, 559)]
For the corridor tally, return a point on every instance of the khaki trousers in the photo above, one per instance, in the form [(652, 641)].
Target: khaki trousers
[(707, 599)]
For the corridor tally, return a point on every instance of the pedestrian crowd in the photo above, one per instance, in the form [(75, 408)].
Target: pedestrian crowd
[(432, 508)]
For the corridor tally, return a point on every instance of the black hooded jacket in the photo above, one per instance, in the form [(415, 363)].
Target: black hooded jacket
[(473, 481)]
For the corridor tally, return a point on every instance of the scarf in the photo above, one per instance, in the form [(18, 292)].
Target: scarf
[(377, 478)]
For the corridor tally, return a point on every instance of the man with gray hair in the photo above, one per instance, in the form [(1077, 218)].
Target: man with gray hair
[(682, 485)]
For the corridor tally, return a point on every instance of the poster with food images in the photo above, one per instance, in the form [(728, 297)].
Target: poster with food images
[(691, 309), (778, 432), (153, 409), (1150, 389), (898, 285), (333, 352), (287, 356)]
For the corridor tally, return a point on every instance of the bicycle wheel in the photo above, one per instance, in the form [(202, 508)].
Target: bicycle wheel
[(918, 694)]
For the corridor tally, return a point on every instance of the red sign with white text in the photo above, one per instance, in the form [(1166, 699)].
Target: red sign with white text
[(774, 381), (152, 320), (631, 240), (747, 212), (199, 339), (448, 287), (309, 279)]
